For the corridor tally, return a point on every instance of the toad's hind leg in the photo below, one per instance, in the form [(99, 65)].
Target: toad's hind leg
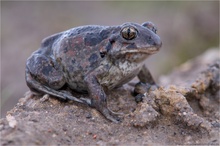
[(42, 76)]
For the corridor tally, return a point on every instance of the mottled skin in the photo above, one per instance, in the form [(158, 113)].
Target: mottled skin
[(92, 59)]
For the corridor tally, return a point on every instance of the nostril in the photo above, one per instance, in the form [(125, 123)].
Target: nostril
[(150, 40)]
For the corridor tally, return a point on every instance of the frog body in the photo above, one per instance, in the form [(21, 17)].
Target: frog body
[(91, 59)]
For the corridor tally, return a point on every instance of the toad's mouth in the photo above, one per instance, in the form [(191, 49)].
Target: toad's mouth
[(148, 50)]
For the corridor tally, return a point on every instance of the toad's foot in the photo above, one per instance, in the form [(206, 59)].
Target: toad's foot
[(110, 115), (141, 89)]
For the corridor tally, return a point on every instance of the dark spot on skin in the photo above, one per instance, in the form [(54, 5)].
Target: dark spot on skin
[(73, 61), (65, 50), (104, 34), (112, 39), (92, 39), (93, 58), (46, 70), (102, 54), (51, 63)]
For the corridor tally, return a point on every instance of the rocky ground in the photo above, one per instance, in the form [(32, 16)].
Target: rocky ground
[(183, 110)]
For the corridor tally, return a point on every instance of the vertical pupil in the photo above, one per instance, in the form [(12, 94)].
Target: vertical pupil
[(129, 31)]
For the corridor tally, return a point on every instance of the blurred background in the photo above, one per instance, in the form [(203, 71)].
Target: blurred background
[(187, 29)]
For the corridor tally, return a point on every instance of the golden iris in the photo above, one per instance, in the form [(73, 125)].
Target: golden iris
[(129, 33)]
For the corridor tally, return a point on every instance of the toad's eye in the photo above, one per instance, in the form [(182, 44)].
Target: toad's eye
[(129, 33)]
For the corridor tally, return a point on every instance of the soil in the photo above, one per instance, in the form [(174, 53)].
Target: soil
[(183, 110)]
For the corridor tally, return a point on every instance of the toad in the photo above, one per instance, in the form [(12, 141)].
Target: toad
[(92, 59)]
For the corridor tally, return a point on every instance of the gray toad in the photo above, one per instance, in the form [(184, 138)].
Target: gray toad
[(92, 59)]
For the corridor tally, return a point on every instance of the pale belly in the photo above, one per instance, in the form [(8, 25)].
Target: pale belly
[(117, 76)]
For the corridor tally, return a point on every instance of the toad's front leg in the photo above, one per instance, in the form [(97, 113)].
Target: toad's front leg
[(146, 83), (145, 76), (99, 99)]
